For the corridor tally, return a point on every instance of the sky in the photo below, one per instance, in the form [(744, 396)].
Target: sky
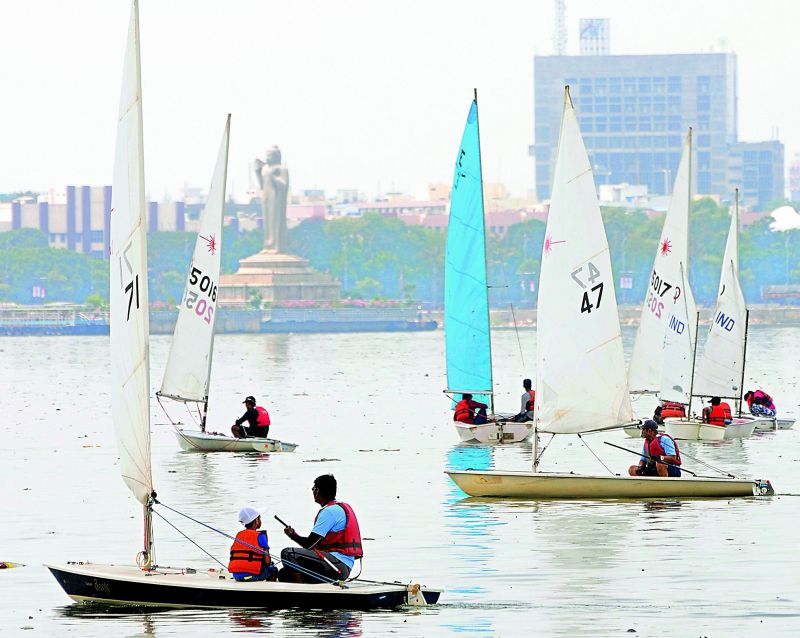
[(364, 94)]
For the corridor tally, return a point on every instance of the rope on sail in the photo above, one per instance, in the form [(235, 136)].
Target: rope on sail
[(610, 471)]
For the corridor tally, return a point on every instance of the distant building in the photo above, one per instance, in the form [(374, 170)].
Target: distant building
[(794, 179), (634, 111), (756, 168), (78, 218)]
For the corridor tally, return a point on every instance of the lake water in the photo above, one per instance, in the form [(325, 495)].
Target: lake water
[(369, 408)]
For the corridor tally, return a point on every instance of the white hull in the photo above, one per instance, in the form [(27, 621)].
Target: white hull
[(171, 587), (196, 441), (493, 433), (568, 486), (694, 430), (765, 423)]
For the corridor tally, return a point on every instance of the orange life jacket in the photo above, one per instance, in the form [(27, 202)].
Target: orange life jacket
[(347, 541), (463, 412), (720, 414), (672, 408), (245, 559), (263, 417), (531, 402)]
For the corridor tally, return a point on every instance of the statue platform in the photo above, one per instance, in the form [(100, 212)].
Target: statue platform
[(276, 277)]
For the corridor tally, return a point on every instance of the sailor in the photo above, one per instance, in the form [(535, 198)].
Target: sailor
[(527, 402), (250, 559), (331, 547), (469, 411), (257, 418), (660, 454), (718, 414), (760, 403)]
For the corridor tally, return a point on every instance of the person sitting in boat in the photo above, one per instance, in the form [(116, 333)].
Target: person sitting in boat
[(718, 414), (250, 559), (257, 419), (760, 403), (669, 409), (527, 403), (331, 547), (660, 454), (469, 411)]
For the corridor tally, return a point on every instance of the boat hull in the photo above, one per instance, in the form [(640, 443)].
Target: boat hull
[(196, 441), (739, 429), (765, 423), (494, 433), (540, 485), (128, 585), (683, 429)]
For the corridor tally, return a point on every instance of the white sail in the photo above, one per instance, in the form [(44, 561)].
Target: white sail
[(719, 371), (664, 290), (678, 353), (130, 370), (188, 368), (581, 378)]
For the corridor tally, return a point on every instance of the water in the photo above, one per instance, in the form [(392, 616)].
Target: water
[(370, 409)]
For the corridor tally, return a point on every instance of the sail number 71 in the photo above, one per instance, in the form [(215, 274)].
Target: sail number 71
[(590, 275)]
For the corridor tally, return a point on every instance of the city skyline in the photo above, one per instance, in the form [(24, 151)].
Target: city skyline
[(351, 102)]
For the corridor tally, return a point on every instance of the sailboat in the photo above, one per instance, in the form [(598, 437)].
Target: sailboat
[(582, 384), (147, 583), (720, 371), (188, 371), (468, 342), (668, 291)]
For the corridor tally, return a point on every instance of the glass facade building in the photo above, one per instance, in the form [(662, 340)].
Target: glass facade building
[(634, 111)]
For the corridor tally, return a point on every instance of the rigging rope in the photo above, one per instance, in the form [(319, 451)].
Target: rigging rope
[(595, 455), (516, 330), (207, 553), (541, 454), (277, 559)]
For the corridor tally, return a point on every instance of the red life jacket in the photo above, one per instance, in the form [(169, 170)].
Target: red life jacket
[(463, 412), (672, 408), (347, 541), (245, 559), (720, 414), (263, 417), (654, 447), (531, 402), (761, 397)]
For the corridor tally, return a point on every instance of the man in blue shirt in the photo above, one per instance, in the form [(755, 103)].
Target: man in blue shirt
[(660, 455), (331, 547)]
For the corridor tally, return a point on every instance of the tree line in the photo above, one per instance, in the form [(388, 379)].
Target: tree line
[(382, 257)]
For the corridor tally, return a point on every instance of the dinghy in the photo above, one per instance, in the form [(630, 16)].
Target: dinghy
[(582, 384), (188, 371), (468, 342), (147, 583)]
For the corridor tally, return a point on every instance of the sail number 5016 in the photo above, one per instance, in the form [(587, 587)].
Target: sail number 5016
[(591, 275), (202, 307)]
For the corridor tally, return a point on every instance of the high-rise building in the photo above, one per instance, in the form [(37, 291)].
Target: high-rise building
[(634, 111), (794, 179), (756, 169)]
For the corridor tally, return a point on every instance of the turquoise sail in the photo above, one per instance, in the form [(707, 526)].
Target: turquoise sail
[(466, 299)]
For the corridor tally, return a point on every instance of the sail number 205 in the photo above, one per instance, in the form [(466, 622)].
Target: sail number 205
[(585, 276), (194, 301)]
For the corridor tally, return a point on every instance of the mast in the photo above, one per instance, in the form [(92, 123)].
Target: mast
[(694, 363), (688, 234), (747, 311), (485, 260)]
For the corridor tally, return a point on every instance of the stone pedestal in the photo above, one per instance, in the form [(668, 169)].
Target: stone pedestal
[(276, 277)]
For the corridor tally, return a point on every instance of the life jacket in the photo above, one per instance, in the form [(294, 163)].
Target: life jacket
[(263, 417), (720, 414), (531, 402), (245, 559), (463, 412), (672, 408), (348, 540), (761, 397), (654, 447)]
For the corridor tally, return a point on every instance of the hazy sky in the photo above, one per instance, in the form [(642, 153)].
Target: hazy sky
[(358, 94)]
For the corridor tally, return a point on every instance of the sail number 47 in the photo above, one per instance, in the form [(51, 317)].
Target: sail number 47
[(591, 275)]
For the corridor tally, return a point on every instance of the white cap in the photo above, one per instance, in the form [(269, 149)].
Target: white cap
[(248, 514)]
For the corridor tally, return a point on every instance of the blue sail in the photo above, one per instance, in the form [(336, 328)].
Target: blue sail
[(466, 300)]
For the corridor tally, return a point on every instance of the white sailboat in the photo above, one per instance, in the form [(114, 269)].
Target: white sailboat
[(582, 384), (468, 342), (668, 294), (188, 371), (720, 371), (147, 583)]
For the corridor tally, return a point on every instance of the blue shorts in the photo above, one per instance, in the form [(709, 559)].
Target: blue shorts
[(266, 572)]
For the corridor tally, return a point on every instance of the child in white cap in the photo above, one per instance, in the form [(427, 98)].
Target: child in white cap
[(250, 559)]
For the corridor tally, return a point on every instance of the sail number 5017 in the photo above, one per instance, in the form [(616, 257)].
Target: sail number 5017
[(590, 274)]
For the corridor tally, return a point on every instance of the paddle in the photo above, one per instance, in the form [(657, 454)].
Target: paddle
[(619, 447)]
